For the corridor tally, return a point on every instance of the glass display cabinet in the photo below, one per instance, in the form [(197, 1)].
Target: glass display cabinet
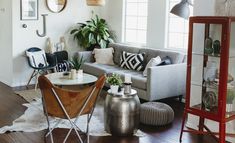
[(210, 88)]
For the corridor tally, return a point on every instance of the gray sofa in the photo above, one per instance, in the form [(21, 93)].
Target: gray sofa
[(161, 81)]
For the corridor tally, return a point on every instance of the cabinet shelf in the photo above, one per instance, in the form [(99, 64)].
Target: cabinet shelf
[(214, 56), (211, 86), (214, 110)]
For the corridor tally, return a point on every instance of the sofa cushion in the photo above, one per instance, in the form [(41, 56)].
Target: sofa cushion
[(132, 61), (104, 56), (166, 61), (119, 48), (137, 78), (99, 69), (153, 62), (176, 57)]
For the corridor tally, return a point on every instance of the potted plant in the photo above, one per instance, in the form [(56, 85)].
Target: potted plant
[(229, 99), (114, 81), (77, 62), (93, 33)]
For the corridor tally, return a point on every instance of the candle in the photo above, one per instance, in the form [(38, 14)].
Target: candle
[(127, 78), (73, 73)]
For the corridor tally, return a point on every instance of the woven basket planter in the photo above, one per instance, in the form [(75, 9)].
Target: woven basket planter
[(95, 2)]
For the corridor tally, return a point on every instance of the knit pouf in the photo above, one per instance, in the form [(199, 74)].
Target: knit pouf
[(156, 113)]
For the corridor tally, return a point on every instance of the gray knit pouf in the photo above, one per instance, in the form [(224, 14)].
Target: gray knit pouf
[(156, 113)]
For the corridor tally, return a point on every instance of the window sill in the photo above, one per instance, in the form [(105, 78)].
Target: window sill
[(177, 50)]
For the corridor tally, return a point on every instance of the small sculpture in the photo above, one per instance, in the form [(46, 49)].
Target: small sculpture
[(209, 100), (63, 42), (216, 47), (229, 79), (208, 49), (49, 44)]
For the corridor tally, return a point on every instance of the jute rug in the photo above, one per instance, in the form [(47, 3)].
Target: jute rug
[(34, 120)]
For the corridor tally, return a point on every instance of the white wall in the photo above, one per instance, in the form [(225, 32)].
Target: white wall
[(157, 18), (6, 72), (204, 7), (16, 72), (113, 13), (157, 23)]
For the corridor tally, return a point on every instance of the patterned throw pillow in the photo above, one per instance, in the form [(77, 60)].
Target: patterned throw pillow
[(37, 59), (63, 67), (132, 61)]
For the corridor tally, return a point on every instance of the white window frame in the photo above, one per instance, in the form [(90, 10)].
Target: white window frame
[(184, 33), (124, 25)]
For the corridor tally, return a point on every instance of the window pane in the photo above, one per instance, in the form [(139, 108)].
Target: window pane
[(142, 23), (131, 36), (131, 22), (176, 25), (132, 1), (143, 1), (141, 36), (142, 9), (136, 21), (132, 9), (176, 40), (177, 28)]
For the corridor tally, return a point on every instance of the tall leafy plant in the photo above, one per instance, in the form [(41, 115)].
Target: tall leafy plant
[(93, 33)]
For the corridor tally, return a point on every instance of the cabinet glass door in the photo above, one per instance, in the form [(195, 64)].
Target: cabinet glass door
[(230, 102), (205, 64)]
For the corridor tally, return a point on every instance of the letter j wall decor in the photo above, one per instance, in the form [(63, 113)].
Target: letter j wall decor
[(29, 9)]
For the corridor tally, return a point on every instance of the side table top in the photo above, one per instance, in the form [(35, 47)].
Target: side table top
[(60, 79), (122, 94)]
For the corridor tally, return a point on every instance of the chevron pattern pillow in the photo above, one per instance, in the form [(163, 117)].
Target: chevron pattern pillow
[(132, 61)]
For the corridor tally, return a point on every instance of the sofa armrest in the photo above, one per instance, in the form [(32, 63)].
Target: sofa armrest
[(166, 81), (87, 56)]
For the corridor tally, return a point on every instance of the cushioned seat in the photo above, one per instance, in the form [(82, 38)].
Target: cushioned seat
[(137, 78), (99, 69), (156, 113)]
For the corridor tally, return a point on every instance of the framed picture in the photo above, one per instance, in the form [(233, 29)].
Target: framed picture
[(29, 9)]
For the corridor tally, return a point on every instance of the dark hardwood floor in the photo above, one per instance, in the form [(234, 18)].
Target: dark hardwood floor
[(11, 108)]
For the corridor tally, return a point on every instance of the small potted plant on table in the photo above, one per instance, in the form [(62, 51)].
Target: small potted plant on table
[(76, 63), (229, 99), (114, 80)]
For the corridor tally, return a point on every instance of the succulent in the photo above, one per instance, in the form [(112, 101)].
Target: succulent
[(114, 79)]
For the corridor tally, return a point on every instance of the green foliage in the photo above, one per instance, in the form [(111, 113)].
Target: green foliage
[(230, 96), (94, 32), (114, 79), (76, 62)]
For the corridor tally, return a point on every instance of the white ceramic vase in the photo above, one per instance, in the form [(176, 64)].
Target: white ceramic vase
[(229, 107), (114, 88), (79, 74)]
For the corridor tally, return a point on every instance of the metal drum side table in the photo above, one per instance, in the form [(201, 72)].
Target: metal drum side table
[(122, 113)]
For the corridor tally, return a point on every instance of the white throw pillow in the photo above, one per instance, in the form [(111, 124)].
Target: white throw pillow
[(37, 58), (104, 56), (153, 62)]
